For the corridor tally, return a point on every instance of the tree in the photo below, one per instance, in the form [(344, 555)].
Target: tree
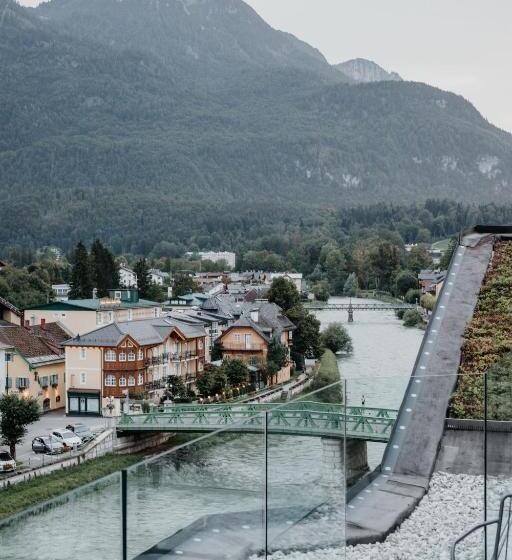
[(183, 284), (428, 301), (412, 318), (277, 357), (283, 293), (81, 281), (321, 291), (405, 281), (412, 296), (216, 353), (351, 287), (104, 269), (22, 288), (178, 389), (16, 414), (306, 337), (236, 372), (336, 338), (384, 262), (141, 270), (418, 259)]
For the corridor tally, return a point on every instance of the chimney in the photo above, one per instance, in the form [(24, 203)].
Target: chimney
[(255, 315)]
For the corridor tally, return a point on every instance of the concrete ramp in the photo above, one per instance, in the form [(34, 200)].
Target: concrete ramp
[(410, 456)]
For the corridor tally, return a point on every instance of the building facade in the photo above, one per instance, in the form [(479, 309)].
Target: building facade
[(85, 315), (33, 363), (134, 358)]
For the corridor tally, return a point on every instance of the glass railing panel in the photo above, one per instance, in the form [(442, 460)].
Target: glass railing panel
[(84, 523), (306, 472), (205, 496)]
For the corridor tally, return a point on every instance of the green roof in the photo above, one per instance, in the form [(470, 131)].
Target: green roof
[(92, 305)]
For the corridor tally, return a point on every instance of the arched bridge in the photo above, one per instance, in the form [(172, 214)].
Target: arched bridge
[(303, 418)]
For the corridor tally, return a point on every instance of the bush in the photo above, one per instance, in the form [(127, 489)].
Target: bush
[(413, 296), (412, 318), (336, 338), (428, 301)]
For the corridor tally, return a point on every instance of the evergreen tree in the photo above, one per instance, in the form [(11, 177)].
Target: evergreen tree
[(141, 269), (81, 281), (104, 269)]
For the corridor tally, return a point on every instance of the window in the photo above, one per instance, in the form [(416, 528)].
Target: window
[(122, 356), (54, 380), (74, 405), (290, 335), (117, 295), (130, 314), (110, 356), (129, 344), (237, 338), (83, 353), (122, 381), (200, 344), (83, 378), (9, 357), (141, 355), (110, 381), (131, 356), (141, 379), (99, 318), (43, 381), (156, 311), (110, 317), (131, 381), (22, 383)]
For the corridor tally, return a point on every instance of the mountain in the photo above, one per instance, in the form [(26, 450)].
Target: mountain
[(142, 120), (361, 70)]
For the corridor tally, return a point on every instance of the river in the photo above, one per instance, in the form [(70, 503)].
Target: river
[(179, 488)]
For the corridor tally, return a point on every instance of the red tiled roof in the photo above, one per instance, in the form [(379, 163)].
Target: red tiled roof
[(34, 342)]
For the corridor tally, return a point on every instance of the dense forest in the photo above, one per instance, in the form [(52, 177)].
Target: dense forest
[(197, 124)]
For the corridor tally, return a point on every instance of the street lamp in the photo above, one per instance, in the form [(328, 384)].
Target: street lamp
[(8, 359)]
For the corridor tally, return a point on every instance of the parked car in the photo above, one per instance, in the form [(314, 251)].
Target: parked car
[(67, 438), (82, 431), (7, 463), (47, 444)]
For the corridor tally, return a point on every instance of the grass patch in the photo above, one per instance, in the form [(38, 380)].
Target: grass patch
[(18, 497)]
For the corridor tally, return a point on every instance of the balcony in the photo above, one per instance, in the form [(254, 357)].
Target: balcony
[(242, 346)]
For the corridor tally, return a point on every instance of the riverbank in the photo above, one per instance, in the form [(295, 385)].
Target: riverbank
[(19, 497)]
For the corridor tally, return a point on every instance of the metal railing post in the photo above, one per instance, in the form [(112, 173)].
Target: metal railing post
[(124, 517)]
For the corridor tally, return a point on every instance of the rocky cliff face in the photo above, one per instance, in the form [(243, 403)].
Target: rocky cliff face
[(363, 71)]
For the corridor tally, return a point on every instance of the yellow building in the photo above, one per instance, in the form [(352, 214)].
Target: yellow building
[(81, 316), (34, 363)]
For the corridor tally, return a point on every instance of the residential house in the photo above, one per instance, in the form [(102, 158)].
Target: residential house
[(33, 362), (127, 277), (249, 337), (216, 256), (431, 281), (9, 313), (158, 277), (132, 356), (294, 277), (207, 280), (61, 291), (84, 315)]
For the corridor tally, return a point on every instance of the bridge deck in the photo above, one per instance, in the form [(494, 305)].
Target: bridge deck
[(361, 306), (303, 418)]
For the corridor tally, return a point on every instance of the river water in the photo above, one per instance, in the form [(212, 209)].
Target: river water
[(173, 492)]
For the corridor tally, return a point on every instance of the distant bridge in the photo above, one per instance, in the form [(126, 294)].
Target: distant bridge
[(301, 418), (351, 307)]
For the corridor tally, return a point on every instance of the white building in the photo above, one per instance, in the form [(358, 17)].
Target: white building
[(294, 277), (158, 277), (61, 291), (216, 256), (127, 277)]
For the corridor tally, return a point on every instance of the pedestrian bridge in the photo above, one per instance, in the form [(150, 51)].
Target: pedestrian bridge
[(360, 306), (301, 418)]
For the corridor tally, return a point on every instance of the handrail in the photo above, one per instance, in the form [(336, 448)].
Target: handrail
[(498, 521)]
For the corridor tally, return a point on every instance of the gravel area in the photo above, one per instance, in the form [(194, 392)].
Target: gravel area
[(453, 504)]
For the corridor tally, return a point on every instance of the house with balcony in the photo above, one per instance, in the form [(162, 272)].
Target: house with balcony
[(84, 315), (130, 357), (250, 336), (32, 362), (431, 281)]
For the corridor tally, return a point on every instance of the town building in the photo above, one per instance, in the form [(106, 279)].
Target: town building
[(158, 277), (250, 336), (206, 280), (9, 313), (32, 362), (61, 291), (431, 281), (134, 357), (294, 277), (84, 315), (216, 256), (127, 277)]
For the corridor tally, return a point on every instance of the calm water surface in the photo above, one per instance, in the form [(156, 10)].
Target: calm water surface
[(227, 477)]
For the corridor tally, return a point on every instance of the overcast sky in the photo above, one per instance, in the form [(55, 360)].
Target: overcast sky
[(464, 46)]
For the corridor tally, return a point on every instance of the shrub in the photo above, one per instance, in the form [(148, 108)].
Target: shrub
[(412, 318)]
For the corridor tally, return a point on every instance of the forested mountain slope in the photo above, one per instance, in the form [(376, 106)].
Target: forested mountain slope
[(140, 120)]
